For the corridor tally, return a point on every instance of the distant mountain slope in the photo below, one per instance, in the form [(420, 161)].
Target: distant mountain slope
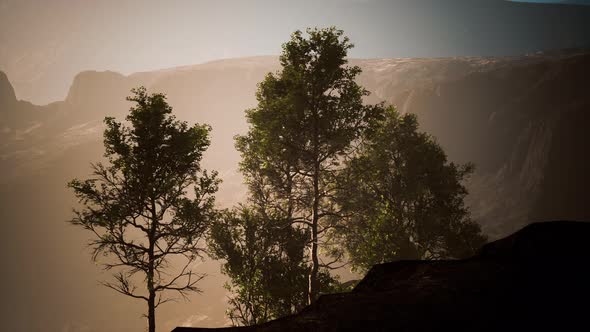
[(522, 120), (525, 126)]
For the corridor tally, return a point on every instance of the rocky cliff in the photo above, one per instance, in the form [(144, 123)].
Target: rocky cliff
[(522, 121), (533, 280)]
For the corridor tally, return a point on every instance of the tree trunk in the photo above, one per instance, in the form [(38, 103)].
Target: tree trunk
[(152, 293), (151, 271), (313, 276), (152, 312)]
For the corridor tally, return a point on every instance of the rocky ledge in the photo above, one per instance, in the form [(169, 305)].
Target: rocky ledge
[(536, 279)]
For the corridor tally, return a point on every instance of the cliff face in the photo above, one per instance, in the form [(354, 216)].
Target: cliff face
[(532, 280), (523, 124)]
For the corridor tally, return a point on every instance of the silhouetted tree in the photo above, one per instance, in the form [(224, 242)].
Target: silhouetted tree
[(403, 199), (308, 116), (137, 206)]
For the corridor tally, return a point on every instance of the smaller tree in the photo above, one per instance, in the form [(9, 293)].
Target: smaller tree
[(265, 260), (137, 205), (403, 199)]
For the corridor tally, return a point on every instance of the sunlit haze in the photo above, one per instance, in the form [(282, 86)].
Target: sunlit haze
[(43, 46)]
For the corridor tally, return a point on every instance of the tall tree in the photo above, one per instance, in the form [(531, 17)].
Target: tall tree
[(403, 199), (137, 206), (307, 118), (263, 248)]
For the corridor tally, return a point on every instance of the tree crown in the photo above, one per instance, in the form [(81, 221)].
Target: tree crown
[(137, 206)]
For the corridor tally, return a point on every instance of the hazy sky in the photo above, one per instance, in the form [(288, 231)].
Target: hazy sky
[(44, 44)]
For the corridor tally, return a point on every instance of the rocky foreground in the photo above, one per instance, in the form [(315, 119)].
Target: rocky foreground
[(536, 279)]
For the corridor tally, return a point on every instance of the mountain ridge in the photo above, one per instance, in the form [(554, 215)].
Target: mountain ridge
[(426, 28)]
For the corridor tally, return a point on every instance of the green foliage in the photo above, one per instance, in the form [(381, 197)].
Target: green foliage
[(403, 199), (307, 118), (137, 206), (264, 257), (326, 171), (312, 110)]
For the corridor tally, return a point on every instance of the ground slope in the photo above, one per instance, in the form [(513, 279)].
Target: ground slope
[(535, 279)]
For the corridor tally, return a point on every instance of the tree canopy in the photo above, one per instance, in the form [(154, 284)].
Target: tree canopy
[(138, 206), (331, 181), (327, 174), (307, 118), (403, 198), (264, 257)]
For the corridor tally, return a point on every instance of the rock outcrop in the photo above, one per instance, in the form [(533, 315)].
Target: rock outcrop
[(535, 279)]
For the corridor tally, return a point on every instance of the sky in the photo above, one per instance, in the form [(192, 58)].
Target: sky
[(43, 44)]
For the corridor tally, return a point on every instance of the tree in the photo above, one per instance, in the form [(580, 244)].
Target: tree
[(137, 206), (403, 199), (264, 258), (263, 249), (307, 118)]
